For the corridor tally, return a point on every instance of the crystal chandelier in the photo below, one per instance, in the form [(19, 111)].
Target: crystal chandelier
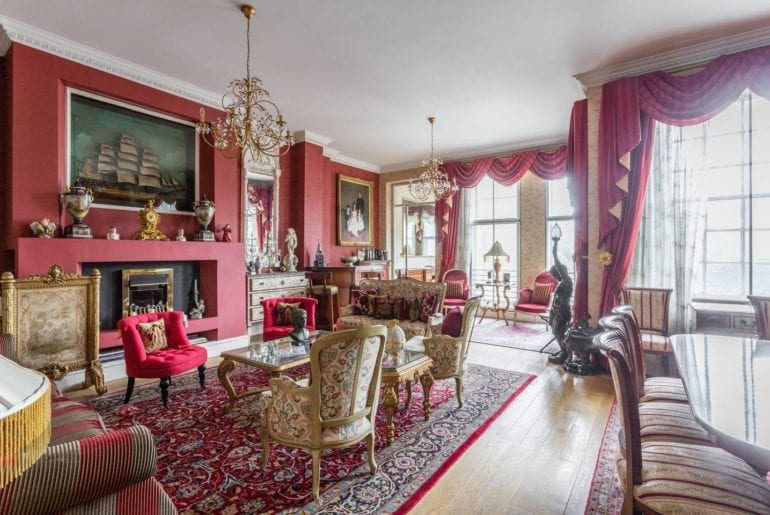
[(252, 121), (433, 181)]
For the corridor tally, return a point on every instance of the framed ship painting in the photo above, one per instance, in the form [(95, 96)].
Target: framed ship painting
[(354, 212), (128, 155)]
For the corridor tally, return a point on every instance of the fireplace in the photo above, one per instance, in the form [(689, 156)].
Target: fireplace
[(147, 290)]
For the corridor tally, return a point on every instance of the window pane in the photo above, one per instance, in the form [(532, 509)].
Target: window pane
[(761, 246), (761, 279), (761, 216), (506, 201), (483, 203), (508, 236), (760, 178), (724, 214), (722, 279), (760, 148), (723, 247), (722, 182), (558, 198), (727, 121), (725, 150)]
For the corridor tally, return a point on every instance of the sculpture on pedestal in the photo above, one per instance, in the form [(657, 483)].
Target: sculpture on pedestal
[(560, 315), (299, 321), (290, 260)]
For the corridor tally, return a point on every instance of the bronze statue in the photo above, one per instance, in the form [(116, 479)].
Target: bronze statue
[(299, 321), (560, 315)]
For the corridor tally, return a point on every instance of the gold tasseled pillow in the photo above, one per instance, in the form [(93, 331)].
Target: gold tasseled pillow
[(541, 293), (283, 312), (153, 335)]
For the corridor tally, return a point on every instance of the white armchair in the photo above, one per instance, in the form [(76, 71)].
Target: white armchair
[(338, 408)]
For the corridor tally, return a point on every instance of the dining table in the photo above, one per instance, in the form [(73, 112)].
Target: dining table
[(727, 379)]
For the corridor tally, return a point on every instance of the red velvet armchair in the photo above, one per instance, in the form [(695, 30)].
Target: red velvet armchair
[(458, 289), (271, 329), (179, 356), (528, 303)]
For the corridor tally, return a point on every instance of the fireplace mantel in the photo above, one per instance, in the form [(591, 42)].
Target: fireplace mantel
[(221, 270)]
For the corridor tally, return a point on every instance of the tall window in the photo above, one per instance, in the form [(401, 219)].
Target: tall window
[(414, 230), (494, 217), (558, 210)]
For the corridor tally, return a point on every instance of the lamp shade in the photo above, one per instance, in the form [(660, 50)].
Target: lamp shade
[(497, 251), (25, 418)]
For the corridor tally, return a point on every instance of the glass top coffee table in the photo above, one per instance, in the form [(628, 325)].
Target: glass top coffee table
[(274, 356), (407, 366)]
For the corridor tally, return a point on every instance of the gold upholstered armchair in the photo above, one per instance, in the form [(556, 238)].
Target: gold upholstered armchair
[(54, 321), (449, 352), (338, 408)]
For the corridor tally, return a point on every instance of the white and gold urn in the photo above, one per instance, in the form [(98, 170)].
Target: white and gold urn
[(77, 201), (204, 212)]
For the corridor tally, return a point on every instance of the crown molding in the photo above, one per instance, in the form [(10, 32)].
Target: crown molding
[(332, 153), (497, 151), (19, 32), (676, 58)]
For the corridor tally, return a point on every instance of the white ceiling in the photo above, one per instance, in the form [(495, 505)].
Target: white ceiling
[(497, 74)]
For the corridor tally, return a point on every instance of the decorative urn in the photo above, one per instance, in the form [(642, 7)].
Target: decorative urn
[(395, 342), (204, 212), (77, 201)]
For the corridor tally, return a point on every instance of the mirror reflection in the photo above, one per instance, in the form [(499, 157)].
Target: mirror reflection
[(260, 208)]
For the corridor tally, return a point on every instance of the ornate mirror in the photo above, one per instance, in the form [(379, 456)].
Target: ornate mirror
[(260, 209)]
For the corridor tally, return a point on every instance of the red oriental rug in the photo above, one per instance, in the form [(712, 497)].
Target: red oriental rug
[(605, 495), (209, 462)]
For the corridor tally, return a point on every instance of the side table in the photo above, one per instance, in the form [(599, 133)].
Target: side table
[(496, 306)]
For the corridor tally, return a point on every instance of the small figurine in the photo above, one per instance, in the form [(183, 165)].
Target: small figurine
[(319, 261), (227, 233), (180, 234), (290, 261), (198, 306), (299, 321), (112, 234), (45, 228)]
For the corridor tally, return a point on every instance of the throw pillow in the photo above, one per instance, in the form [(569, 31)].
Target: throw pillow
[(541, 293), (400, 308), (362, 299), (283, 312), (153, 335), (428, 305), (455, 289), (453, 323), (414, 309), (382, 307)]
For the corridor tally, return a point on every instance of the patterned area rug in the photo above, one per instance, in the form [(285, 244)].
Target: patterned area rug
[(521, 336), (209, 462), (605, 496)]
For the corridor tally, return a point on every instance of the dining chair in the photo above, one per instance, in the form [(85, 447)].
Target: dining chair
[(761, 307), (651, 312), (674, 477), (659, 420), (326, 293), (339, 406)]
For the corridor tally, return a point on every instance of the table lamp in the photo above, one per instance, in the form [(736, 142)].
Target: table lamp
[(25, 418), (497, 252)]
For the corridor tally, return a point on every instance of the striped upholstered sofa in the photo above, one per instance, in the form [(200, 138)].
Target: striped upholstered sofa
[(88, 469)]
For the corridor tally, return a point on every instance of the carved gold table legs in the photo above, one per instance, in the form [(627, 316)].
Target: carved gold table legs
[(224, 370), (390, 399)]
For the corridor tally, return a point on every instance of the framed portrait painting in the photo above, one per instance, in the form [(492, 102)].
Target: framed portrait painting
[(354, 212), (128, 155)]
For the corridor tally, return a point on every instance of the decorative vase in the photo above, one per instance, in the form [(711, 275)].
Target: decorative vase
[(204, 212), (77, 201), (395, 342)]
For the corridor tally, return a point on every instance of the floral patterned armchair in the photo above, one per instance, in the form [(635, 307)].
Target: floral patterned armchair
[(338, 408), (448, 353)]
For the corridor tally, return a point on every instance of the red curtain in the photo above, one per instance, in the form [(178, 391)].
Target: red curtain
[(626, 106), (577, 171), (506, 171)]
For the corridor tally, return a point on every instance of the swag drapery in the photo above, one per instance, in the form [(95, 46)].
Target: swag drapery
[(629, 109), (569, 160)]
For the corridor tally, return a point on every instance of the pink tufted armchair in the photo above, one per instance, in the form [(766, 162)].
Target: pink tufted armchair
[(180, 355), (528, 303), (270, 327), (458, 289)]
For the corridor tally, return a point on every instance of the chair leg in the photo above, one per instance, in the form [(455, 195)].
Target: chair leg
[(164, 382), (129, 390), (202, 375), (316, 474), (265, 447), (370, 452), (459, 389)]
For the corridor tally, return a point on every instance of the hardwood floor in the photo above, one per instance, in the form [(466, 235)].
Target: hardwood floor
[(538, 457)]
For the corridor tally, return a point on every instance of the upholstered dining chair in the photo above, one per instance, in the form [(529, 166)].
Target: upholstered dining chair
[(761, 307), (338, 408), (457, 288), (650, 307), (674, 477), (155, 345), (277, 323), (326, 293), (449, 352), (536, 300)]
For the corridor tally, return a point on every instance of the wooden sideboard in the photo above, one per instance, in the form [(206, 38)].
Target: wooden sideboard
[(346, 277), (724, 318), (269, 286)]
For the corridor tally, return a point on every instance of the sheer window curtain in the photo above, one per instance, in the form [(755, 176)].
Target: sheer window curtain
[(669, 249), (463, 255)]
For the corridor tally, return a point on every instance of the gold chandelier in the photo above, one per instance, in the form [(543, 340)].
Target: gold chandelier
[(433, 181), (252, 121)]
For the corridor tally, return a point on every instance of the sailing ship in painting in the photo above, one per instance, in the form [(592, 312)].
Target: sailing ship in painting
[(125, 172)]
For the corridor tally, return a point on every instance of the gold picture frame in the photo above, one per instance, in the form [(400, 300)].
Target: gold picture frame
[(355, 214)]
